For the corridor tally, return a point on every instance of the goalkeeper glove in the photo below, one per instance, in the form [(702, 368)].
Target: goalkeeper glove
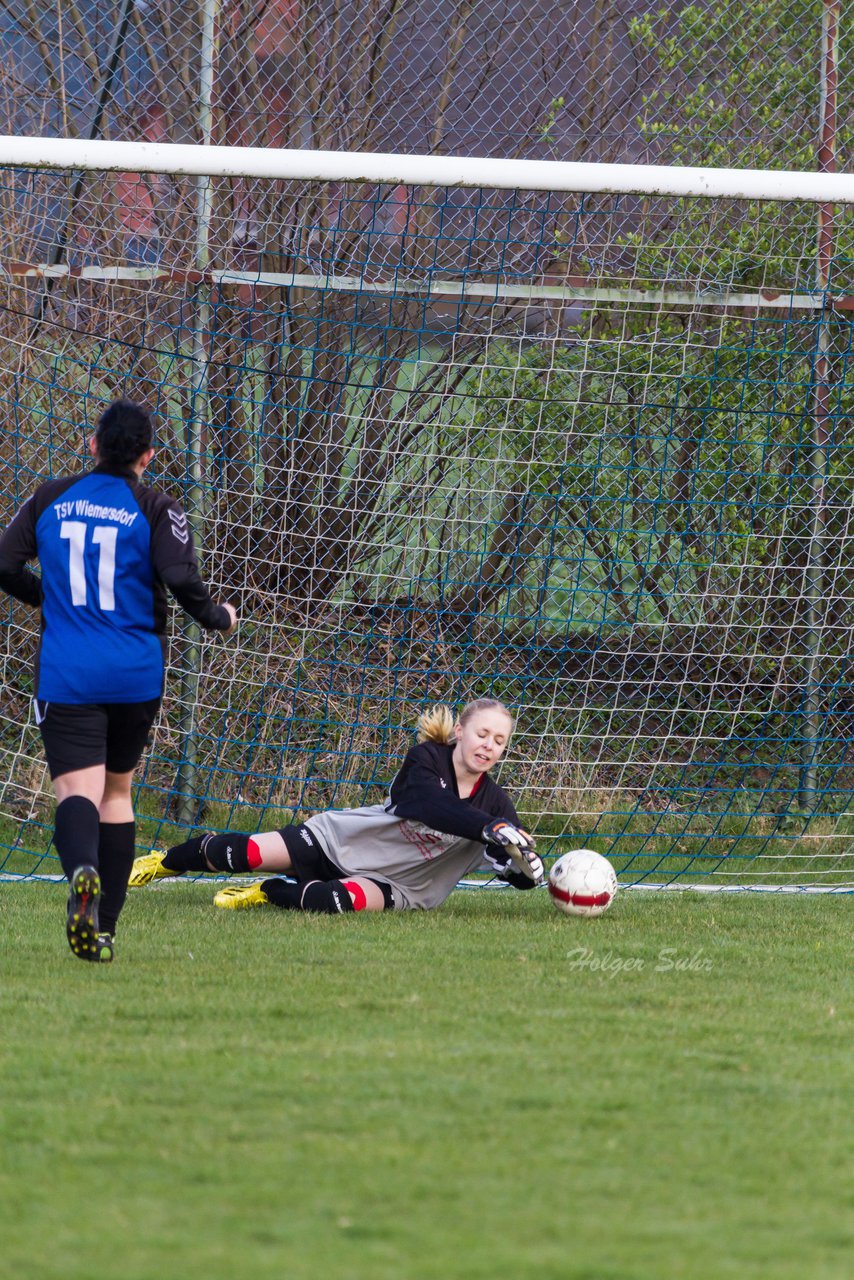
[(499, 831), (518, 846), (527, 862)]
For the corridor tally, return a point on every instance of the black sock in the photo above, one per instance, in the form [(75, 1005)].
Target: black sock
[(187, 856), (116, 848), (284, 894), (75, 834), (232, 851)]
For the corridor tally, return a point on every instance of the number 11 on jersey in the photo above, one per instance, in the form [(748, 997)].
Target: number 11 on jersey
[(104, 536)]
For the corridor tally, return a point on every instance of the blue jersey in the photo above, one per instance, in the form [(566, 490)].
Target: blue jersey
[(107, 546), (98, 643)]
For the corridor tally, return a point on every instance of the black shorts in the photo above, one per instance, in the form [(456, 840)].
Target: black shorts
[(114, 734), (310, 862)]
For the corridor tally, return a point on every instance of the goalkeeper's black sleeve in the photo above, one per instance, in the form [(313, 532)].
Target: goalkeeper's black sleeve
[(425, 791), (518, 879), (443, 813)]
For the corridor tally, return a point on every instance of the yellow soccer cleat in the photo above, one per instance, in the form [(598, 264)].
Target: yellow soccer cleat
[(234, 899), (149, 867)]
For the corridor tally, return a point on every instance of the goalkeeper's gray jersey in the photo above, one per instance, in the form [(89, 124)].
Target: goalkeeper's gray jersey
[(421, 865), (424, 839)]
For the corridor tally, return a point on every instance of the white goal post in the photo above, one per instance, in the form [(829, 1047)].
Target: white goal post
[(424, 170)]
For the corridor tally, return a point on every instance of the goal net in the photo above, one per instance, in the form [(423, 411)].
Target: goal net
[(573, 436)]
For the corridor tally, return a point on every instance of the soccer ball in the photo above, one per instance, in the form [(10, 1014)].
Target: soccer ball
[(582, 883)]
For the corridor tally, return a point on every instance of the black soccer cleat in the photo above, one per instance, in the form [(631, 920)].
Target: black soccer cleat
[(106, 949), (82, 924)]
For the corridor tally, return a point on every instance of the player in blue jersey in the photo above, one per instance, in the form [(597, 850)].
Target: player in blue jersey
[(108, 547), (444, 818)]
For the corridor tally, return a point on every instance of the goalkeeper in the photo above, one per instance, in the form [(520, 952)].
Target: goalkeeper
[(444, 818)]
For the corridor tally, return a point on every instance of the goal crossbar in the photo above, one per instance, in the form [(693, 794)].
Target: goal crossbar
[(424, 170)]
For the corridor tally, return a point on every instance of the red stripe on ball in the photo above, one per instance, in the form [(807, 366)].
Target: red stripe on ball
[(580, 899)]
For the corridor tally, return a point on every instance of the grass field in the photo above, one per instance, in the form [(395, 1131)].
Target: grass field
[(484, 1091)]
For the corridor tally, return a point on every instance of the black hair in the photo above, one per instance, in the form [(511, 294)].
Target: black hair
[(124, 432)]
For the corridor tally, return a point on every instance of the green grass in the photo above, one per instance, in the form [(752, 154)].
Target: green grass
[(489, 1090)]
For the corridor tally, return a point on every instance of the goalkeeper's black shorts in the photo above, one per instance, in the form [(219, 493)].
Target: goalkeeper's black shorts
[(114, 734), (309, 861)]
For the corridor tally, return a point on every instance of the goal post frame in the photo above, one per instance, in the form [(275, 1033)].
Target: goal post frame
[(425, 170), (639, 296)]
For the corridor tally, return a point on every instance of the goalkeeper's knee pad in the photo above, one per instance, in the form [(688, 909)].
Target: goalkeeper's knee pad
[(331, 897), (231, 852)]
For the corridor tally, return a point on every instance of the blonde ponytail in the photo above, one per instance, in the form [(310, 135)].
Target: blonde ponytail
[(436, 724)]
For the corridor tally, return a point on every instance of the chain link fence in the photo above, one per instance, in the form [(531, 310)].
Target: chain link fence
[(600, 80), (600, 503)]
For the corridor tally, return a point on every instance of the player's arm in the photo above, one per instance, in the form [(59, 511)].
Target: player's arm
[(420, 793), (186, 585), (17, 546), (174, 558)]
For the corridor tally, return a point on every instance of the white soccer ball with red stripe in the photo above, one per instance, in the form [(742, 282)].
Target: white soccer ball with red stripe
[(582, 883)]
